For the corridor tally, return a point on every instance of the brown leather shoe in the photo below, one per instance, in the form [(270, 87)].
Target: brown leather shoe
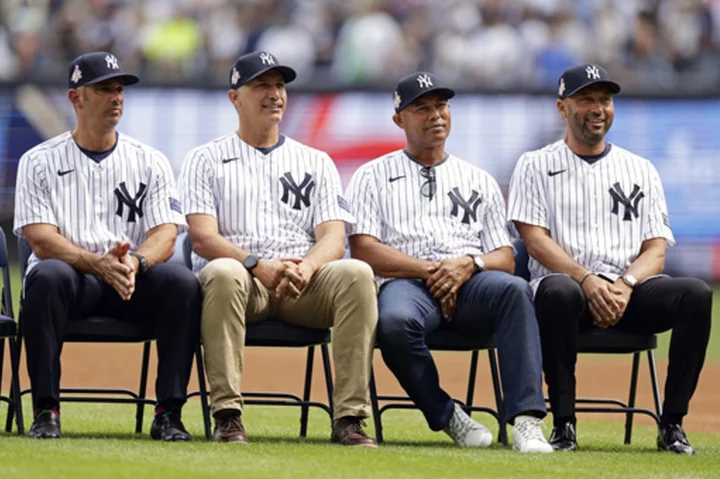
[(347, 431), (229, 428)]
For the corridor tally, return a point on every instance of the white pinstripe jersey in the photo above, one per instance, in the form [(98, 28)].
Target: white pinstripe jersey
[(269, 205), (96, 204), (598, 213), (465, 216)]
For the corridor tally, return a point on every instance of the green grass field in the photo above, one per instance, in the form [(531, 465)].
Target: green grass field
[(98, 442)]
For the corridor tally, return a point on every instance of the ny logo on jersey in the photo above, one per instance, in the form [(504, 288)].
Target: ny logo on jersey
[(111, 61), (134, 203), (302, 191), (267, 59), (469, 207), (630, 203), (424, 81), (593, 73)]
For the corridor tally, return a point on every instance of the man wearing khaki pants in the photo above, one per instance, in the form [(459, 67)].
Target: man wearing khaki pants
[(267, 222)]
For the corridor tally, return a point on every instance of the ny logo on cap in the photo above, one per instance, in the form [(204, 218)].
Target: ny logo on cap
[(76, 74), (561, 88), (235, 76), (424, 81), (592, 72), (111, 62), (397, 100), (267, 59)]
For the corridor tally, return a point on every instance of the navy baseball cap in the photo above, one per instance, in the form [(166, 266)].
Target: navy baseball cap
[(582, 76), (414, 86), (96, 67), (254, 64)]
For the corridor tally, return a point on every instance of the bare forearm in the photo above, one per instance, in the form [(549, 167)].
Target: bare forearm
[(327, 249), (214, 246), (553, 257), (159, 246), (389, 262), (649, 263), (500, 259), (56, 246)]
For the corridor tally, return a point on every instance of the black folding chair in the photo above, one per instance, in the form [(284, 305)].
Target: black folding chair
[(8, 331), (610, 341), (446, 340), (274, 333), (103, 329)]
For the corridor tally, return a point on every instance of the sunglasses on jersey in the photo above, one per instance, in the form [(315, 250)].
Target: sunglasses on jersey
[(429, 187)]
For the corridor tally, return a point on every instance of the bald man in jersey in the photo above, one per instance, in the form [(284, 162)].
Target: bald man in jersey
[(101, 213), (595, 222), (433, 228), (267, 220)]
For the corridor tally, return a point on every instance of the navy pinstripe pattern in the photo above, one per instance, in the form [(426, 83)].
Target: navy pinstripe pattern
[(557, 190)]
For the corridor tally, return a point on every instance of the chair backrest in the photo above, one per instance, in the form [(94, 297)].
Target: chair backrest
[(521, 260), (24, 252), (6, 307), (187, 252)]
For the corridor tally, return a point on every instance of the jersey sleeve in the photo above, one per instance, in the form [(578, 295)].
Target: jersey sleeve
[(494, 234), (197, 177), (162, 205), (527, 202), (33, 203), (330, 200), (657, 222), (364, 204)]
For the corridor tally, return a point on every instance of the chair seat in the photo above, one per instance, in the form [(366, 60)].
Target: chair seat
[(7, 326), (611, 341), (446, 340), (276, 333), (107, 330)]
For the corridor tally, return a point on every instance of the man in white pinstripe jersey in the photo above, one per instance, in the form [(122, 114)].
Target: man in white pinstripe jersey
[(101, 213), (595, 222), (433, 228), (267, 222)]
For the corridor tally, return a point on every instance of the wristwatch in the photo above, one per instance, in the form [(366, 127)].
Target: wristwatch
[(629, 280), (479, 263), (250, 262), (143, 264)]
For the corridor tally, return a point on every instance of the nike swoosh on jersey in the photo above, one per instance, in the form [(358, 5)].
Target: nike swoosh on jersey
[(553, 173), (63, 173), (396, 178), (228, 160)]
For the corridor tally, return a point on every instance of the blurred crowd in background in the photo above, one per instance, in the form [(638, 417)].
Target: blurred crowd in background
[(648, 45)]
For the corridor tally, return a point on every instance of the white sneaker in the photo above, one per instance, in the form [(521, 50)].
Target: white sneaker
[(466, 432), (528, 437)]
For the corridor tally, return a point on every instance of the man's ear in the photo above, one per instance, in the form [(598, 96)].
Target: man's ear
[(398, 120), (74, 96), (562, 108)]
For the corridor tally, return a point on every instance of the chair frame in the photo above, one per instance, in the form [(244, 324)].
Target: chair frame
[(87, 395), (14, 400), (268, 398), (450, 341)]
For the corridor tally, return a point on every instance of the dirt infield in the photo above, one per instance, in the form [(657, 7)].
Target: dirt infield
[(276, 369)]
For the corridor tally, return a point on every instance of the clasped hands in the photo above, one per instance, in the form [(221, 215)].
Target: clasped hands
[(117, 268), (444, 280), (607, 301), (288, 277)]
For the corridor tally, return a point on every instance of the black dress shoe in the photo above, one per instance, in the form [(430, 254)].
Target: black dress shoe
[(45, 426), (168, 427), (563, 437), (672, 438)]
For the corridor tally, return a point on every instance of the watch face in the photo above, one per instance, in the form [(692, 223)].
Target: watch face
[(479, 263), (250, 262)]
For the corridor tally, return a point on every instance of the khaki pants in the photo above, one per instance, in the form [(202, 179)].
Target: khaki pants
[(342, 295)]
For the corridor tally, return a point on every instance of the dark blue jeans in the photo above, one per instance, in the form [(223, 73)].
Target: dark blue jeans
[(488, 302)]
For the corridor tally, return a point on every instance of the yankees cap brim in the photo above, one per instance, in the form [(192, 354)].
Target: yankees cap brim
[(614, 87), (287, 73), (127, 78), (446, 92)]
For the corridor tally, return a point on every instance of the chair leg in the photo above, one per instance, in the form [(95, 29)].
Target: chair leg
[(377, 417), (10, 411), (15, 384), (631, 399), (306, 391), (499, 402), (328, 377), (143, 388), (203, 392), (654, 383), (471, 382)]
